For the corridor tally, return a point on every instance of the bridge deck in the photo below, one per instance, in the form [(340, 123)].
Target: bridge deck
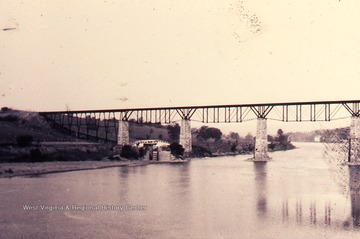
[(357, 102), (286, 112)]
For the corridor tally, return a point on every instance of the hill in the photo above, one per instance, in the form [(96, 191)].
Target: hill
[(27, 137), (323, 135), (15, 123)]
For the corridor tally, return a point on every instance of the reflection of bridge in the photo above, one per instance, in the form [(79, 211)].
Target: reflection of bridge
[(116, 120), (310, 210)]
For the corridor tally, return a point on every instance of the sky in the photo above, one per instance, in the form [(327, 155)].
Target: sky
[(80, 54)]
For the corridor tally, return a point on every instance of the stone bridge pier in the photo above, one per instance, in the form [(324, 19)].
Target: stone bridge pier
[(354, 144), (261, 146), (354, 183), (123, 133), (185, 135)]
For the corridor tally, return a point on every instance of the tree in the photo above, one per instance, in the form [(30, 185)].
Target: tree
[(174, 132), (249, 138), (206, 133), (270, 138), (129, 152), (233, 147), (4, 109), (177, 150), (234, 136), (281, 137), (281, 141)]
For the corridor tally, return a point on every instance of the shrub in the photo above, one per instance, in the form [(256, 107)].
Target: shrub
[(24, 140), (177, 150), (142, 152), (129, 152), (4, 109), (36, 155), (9, 118)]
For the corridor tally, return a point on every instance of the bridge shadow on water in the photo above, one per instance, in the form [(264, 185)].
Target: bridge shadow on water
[(260, 188), (308, 211)]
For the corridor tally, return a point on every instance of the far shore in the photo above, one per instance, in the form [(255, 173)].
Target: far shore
[(9, 170), (16, 169)]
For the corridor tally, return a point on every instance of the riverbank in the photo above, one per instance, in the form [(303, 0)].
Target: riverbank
[(9, 170)]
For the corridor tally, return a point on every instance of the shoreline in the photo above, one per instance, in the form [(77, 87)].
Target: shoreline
[(10, 170)]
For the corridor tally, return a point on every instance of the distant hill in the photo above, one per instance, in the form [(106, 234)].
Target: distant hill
[(148, 131), (14, 123), (328, 135)]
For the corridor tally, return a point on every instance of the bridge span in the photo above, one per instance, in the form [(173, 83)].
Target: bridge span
[(117, 120)]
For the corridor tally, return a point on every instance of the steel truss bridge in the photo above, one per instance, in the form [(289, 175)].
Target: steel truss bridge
[(91, 122)]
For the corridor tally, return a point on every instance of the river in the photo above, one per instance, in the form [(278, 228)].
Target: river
[(298, 194)]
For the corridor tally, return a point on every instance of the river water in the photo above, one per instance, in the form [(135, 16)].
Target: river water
[(299, 194)]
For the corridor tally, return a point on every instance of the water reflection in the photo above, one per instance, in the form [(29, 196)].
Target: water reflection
[(285, 210), (214, 198), (354, 172), (124, 171), (40, 175), (313, 212), (312, 215), (260, 188), (327, 219), (184, 177), (299, 211)]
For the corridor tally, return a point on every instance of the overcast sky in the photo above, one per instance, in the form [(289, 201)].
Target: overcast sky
[(86, 54)]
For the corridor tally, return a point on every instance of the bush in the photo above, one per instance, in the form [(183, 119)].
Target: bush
[(177, 149), (24, 140), (36, 155), (200, 152), (4, 109), (9, 118), (129, 152), (142, 152)]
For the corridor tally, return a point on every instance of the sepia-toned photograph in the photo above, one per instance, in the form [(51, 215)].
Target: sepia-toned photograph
[(180, 119)]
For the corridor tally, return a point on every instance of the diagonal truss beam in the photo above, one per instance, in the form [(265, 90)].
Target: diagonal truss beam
[(186, 113), (354, 111), (261, 111), (287, 112), (86, 123)]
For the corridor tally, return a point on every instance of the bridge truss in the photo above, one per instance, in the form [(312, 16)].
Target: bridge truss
[(103, 124)]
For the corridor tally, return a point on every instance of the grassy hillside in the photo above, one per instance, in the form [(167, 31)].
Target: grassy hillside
[(148, 131), (325, 135), (14, 123), (44, 145)]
